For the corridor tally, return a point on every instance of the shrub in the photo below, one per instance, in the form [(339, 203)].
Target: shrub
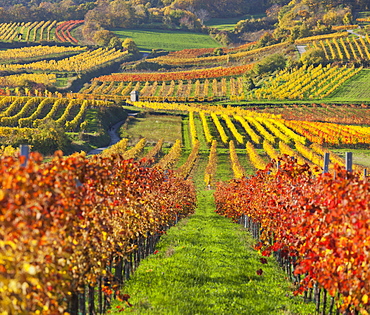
[(270, 64)]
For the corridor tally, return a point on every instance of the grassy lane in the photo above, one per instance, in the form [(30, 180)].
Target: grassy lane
[(206, 265)]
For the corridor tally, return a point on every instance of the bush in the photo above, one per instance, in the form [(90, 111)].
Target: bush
[(49, 138), (222, 37), (146, 65), (313, 56), (218, 51), (129, 45), (103, 37), (270, 64)]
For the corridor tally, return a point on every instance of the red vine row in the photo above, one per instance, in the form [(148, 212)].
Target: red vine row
[(67, 222), (319, 224), (62, 31)]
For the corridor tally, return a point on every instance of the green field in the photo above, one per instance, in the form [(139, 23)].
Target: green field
[(229, 23), (166, 39), (356, 89), (153, 128)]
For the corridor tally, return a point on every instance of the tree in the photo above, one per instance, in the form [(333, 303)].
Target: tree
[(103, 37), (304, 30), (19, 13), (129, 45), (203, 15), (89, 28), (266, 39), (122, 14), (115, 42)]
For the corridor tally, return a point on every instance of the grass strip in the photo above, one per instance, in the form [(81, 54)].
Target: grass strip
[(228, 24), (206, 265), (354, 89)]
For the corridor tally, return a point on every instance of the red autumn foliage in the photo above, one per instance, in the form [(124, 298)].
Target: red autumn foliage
[(62, 31), (179, 75), (63, 221), (323, 221)]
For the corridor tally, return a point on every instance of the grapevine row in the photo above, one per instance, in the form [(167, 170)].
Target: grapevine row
[(237, 168), (184, 170), (171, 157), (71, 222), (83, 62), (315, 225), (210, 172), (318, 82)]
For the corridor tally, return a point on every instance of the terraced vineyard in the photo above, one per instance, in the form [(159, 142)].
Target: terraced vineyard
[(243, 130), (39, 31), (19, 112)]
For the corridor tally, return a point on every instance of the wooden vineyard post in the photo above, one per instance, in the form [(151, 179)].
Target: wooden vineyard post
[(326, 162), (91, 303), (82, 301), (74, 304), (24, 151), (349, 161), (119, 271), (100, 294)]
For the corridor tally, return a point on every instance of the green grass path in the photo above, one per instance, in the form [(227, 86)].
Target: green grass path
[(206, 265)]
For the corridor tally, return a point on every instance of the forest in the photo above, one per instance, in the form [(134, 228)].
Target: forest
[(283, 19), (37, 10)]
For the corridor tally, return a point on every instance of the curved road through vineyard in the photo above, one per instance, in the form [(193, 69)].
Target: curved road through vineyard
[(114, 138)]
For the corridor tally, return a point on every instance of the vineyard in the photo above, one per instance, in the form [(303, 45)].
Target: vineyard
[(227, 82), (349, 49), (236, 182), (85, 61), (260, 138), (222, 76), (312, 83), (221, 83), (44, 65), (19, 112), (26, 54), (43, 31), (344, 114), (276, 136), (244, 53), (196, 90), (54, 246), (319, 244)]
